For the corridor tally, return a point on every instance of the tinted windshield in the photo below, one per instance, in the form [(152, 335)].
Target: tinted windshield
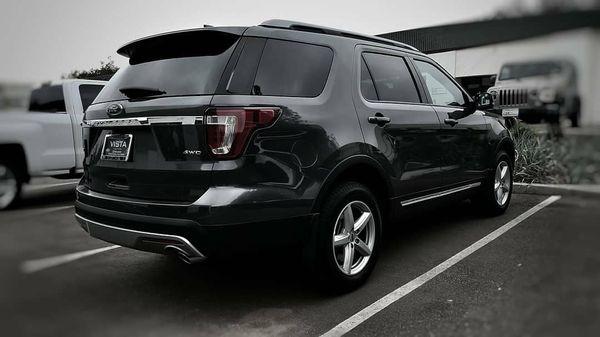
[(174, 66), (512, 71)]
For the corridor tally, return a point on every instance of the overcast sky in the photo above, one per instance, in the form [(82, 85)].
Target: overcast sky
[(41, 40)]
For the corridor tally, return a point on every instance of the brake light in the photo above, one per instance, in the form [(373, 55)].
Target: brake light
[(228, 129)]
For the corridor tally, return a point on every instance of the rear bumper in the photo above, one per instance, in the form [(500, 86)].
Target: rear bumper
[(200, 230), (147, 241)]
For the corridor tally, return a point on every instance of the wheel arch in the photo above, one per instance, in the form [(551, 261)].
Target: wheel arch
[(362, 169), (508, 145), (15, 155)]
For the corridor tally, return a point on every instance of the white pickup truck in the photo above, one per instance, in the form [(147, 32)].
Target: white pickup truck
[(46, 139)]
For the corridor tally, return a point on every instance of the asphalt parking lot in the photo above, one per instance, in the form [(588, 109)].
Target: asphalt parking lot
[(540, 278)]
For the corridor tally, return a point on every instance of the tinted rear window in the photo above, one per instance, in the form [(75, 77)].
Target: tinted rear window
[(393, 80), (88, 93), (292, 69), (190, 64), (47, 99)]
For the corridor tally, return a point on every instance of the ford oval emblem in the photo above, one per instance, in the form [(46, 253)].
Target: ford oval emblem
[(114, 110)]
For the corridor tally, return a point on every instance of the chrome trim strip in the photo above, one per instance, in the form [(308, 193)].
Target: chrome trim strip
[(439, 194), (85, 191), (138, 234), (143, 121)]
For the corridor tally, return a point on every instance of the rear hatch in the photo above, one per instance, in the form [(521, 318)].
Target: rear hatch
[(143, 136)]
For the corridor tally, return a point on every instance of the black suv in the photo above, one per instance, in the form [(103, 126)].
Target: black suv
[(285, 133)]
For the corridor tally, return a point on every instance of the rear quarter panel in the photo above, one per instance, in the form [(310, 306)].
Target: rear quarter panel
[(294, 156)]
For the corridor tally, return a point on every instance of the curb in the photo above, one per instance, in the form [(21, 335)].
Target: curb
[(547, 189)]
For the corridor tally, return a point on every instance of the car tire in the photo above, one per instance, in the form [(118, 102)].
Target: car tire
[(344, 256), (496, 192), (10, 186)]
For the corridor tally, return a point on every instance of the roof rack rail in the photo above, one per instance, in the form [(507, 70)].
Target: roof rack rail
[(306, 27)]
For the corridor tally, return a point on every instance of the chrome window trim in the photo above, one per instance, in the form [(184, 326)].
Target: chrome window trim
[(439, 194), (143, 121)]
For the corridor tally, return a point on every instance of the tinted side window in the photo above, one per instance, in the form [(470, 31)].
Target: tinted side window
[(366, 83), (88, 93), (47, 99), (441, 89), (292, 69), (242, 77), (393, 80)]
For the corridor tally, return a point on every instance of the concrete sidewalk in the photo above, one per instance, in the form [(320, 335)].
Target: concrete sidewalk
[(565, 189)]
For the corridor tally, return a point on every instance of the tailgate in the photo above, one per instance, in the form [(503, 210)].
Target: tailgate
[(166, 153)]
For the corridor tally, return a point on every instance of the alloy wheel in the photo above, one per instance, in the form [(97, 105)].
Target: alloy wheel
[(353, 237), (502, 183)]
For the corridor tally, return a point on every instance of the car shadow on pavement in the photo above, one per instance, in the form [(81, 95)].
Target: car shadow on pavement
[(273, 276)]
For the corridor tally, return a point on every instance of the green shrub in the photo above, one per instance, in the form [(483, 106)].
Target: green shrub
[(539, 159), (574, 159)]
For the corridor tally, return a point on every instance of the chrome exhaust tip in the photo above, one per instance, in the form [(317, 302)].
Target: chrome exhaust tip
[(182, 255)]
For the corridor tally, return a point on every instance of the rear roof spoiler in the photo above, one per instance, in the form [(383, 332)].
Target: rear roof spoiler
[(127, 49)]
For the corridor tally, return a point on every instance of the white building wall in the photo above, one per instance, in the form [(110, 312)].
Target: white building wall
[(582, 47)]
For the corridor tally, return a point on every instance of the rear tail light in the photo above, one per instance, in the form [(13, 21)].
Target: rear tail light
[(228, 129)]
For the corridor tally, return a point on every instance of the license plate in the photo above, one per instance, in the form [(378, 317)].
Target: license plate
[(116, 147), (512, 112)]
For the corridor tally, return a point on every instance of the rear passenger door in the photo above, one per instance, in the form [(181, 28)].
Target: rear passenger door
[(396, 121)]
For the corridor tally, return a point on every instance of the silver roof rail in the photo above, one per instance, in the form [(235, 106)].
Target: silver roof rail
[(307, 27)]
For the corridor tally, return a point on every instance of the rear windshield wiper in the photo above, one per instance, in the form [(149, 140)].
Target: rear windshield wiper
[(139, 92)]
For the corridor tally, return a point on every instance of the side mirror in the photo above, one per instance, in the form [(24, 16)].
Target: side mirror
[(484, 101)]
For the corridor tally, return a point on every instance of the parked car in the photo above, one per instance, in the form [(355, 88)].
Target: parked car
[(536, 91), (46, 139), (223, 139)]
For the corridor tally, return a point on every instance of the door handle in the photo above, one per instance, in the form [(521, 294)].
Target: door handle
[(379, 119), (451, 121)]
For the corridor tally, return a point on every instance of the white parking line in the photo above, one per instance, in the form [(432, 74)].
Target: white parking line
[(406, 289), (30, 188), (27, 212), (39, 211), (32, 266)]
